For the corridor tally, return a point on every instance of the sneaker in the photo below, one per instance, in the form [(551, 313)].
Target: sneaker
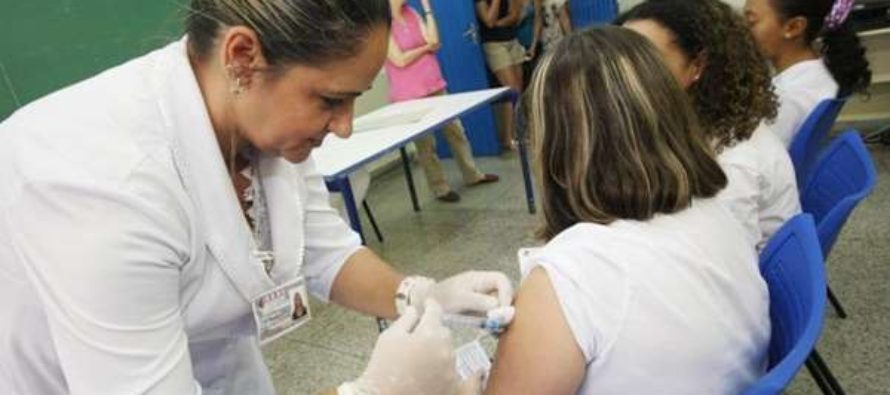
[(450, 197)]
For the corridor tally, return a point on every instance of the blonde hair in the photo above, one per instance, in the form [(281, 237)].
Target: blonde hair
[(290, 31), (614, 135)]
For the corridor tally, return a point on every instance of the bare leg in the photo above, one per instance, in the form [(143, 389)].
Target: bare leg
[(510, 77)]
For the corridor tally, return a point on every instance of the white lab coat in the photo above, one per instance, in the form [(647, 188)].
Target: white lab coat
[(125, 260), (762, 190), (800, 88)]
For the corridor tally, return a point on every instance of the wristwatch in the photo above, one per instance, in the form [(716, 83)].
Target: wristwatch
[(411, 289)]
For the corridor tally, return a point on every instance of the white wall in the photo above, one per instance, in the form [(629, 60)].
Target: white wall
[(370, 101), (375, 98)]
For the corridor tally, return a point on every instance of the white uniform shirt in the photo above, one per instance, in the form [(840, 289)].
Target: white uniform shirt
[(125, 259), (673, 305), (762, 190), (800, 88)]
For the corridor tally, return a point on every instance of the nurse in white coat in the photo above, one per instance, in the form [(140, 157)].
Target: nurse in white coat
[(136, 258), (814, 51)]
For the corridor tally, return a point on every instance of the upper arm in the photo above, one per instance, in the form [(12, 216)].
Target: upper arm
[(106, 264), (515, 10), (394, 53), (427, 30), (565, 18), (329, 240), (538, 353), (741, 197), (482, 11), (790, 117)]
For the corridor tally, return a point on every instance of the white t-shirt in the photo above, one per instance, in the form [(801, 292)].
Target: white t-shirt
[(800, 88), (673, 305), (762, 190)]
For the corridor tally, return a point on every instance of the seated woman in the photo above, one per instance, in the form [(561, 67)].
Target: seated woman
[(643, 286), (714, 58), (814, 51)]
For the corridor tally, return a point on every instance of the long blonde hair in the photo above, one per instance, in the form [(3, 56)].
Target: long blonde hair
[(614, 135)]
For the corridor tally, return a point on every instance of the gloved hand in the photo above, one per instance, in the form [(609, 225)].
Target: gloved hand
[(472, 385), (470, 292), (410, 358)]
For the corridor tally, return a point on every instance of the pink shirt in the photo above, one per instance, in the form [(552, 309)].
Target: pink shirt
[(420, 78)]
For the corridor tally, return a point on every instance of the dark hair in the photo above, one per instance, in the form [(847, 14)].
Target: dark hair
[(614, 135), (735, 91), (290, 31), (843, 52)]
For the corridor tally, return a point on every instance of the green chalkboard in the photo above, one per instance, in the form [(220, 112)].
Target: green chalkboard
[(46, 45)]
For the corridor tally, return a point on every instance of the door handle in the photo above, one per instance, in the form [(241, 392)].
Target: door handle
[(472, 33)]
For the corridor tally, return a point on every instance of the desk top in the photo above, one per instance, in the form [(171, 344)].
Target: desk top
[(386, 129)]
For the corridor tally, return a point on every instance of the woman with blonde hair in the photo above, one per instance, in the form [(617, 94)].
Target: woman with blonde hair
[(643, 286)]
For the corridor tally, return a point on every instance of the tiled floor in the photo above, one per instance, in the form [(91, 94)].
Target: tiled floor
[(491, 222)]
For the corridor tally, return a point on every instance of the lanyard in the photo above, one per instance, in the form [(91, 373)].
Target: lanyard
[(262, 230)]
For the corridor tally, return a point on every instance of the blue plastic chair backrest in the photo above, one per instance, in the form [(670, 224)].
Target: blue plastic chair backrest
[(843, 176), (806, 144), (794, 271), (592, 12)]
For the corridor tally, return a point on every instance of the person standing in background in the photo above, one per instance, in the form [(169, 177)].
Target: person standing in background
[(552, 23), (413, 72), (498, 21)]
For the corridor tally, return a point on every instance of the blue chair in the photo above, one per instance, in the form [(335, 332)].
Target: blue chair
[(806, 144), (794, 271), (843, 177)]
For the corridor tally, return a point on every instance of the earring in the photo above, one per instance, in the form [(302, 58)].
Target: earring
[(236, 86)]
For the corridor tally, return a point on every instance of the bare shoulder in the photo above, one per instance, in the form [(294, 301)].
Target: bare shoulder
[(538, 354)]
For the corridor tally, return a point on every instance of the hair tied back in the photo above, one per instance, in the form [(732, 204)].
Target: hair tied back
[(838, 15)]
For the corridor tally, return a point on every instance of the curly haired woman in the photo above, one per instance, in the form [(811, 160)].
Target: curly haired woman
[(711, 53)]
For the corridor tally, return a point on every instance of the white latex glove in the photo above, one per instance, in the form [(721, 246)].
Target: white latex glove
[(472, 385), (470, 292), (409, 360)]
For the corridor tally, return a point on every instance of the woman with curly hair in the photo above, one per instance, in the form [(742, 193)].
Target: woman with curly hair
[(787, 32), (713, 56)]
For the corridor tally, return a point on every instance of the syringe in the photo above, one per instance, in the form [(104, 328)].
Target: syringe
[(496, 321)]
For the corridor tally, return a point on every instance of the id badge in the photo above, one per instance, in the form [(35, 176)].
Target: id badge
[(281, 310)]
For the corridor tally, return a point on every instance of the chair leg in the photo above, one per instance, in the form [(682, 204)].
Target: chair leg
[(836, 304), (372, 220), (818, 377), (880, 136), (829, 376)]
